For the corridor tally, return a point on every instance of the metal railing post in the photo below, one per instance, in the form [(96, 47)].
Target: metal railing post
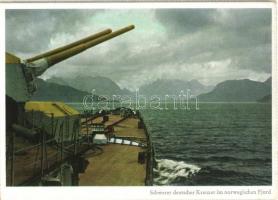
[(12, 158), (42, 152)]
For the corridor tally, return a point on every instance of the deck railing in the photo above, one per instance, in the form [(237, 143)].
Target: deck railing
[(46, 151), (150, 154)]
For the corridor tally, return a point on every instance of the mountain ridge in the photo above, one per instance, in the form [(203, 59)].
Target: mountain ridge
[(173, 87), (97, 85), (243, 90), (56, 92)]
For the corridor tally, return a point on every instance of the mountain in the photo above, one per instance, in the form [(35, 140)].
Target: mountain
[(57, 80), (265, 99), (54, 92), (162, 87), (268, 81), (244, 90), (101, 85)]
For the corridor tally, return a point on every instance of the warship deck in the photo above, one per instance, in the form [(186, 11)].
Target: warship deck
[(109, 164), (117, 165)]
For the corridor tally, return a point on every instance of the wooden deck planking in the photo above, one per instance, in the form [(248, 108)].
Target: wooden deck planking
[(129, 127), (118, 164)]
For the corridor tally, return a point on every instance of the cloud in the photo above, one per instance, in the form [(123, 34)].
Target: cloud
[(210, 45), (29, 31), (181, 22), (244, 35)]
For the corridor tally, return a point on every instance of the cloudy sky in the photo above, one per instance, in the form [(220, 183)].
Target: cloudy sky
[(210, 45)]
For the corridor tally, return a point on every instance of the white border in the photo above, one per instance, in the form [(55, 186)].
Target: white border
[(2, 102), (274, 101), (133, 193), (137, 5)]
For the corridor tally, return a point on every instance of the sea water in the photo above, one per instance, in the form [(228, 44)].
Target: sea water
[(219, 144)]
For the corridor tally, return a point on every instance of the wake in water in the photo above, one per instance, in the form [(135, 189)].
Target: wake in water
[(168, 171), (171, 172)]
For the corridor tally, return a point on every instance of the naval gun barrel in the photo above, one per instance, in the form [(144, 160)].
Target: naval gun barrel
[(60, 49), (44, 62)]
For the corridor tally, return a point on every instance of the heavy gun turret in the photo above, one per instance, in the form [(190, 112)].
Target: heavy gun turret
[(20, 75)]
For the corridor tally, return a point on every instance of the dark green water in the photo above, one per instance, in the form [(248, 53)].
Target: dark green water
[(219, 144)]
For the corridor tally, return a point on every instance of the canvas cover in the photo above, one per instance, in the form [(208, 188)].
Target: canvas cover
[(56, 118)]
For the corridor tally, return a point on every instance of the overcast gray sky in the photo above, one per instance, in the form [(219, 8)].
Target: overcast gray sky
[(210, 45)]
